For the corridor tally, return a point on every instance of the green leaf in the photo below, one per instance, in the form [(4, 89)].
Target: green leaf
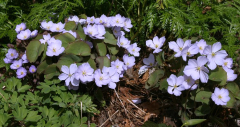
[(4, 117), (51, 71), (219, 75), (233, 87), (33, 117), (79, 48), (80, 32), (33, 50), (113, 49), (67, 60), (92, 63), (184, 117), (103, 61), (202, 110), (231, 102), (71, 25), (192, 122), (163, 84), (100, 47), (19, 113), (159, 59), (24, 88), (66, 38), (109, 38), (43, 65), (154, 78), (203, 96)]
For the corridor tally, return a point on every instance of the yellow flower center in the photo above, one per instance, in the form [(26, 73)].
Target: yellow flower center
[(18, 66), (57, 29), (219, 97), (48, 27), (121, 43), (225, 63), (125, 24), (90, 32), (101, 78), (151, 64), (200, 48), (188, 80), (84, 73), (156, 46), (213, 54), (117, 21), (54, 50), (69, 75), (175, 86), (91, 20), (12, 54), (180, 49), (33, 70), (21, 73), (188, 53), (115, 31), (25, 37), (117, 66), (127, 63), (198, 68), (101, 21), (21, 28), (133, 50)]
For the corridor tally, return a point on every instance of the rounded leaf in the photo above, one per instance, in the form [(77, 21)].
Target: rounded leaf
[(79, 48), (71, 25), (33, 50)]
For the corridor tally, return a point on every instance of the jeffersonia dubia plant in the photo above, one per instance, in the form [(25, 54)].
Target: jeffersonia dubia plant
[(65, 51), (207, 74)]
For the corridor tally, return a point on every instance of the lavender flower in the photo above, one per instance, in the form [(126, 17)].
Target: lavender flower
[(84, 73), (34, 33), (175, 85), (214, 56), (73, 18), (101, 78), (118, 21), (127, 24), (133, 49), (24, 35), (123, 42), (20, 27), (59, 27), (71, 32), (45, 38), (21, 72), (68, 75), (90, 20), (12, 54), (128, 61), (16, 64), (196, 69), (179, 46), (220, 96), (113, 76), (156, 43), (201, 46), (55, 48), (32, 69), (118, 65), (46, 25)]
